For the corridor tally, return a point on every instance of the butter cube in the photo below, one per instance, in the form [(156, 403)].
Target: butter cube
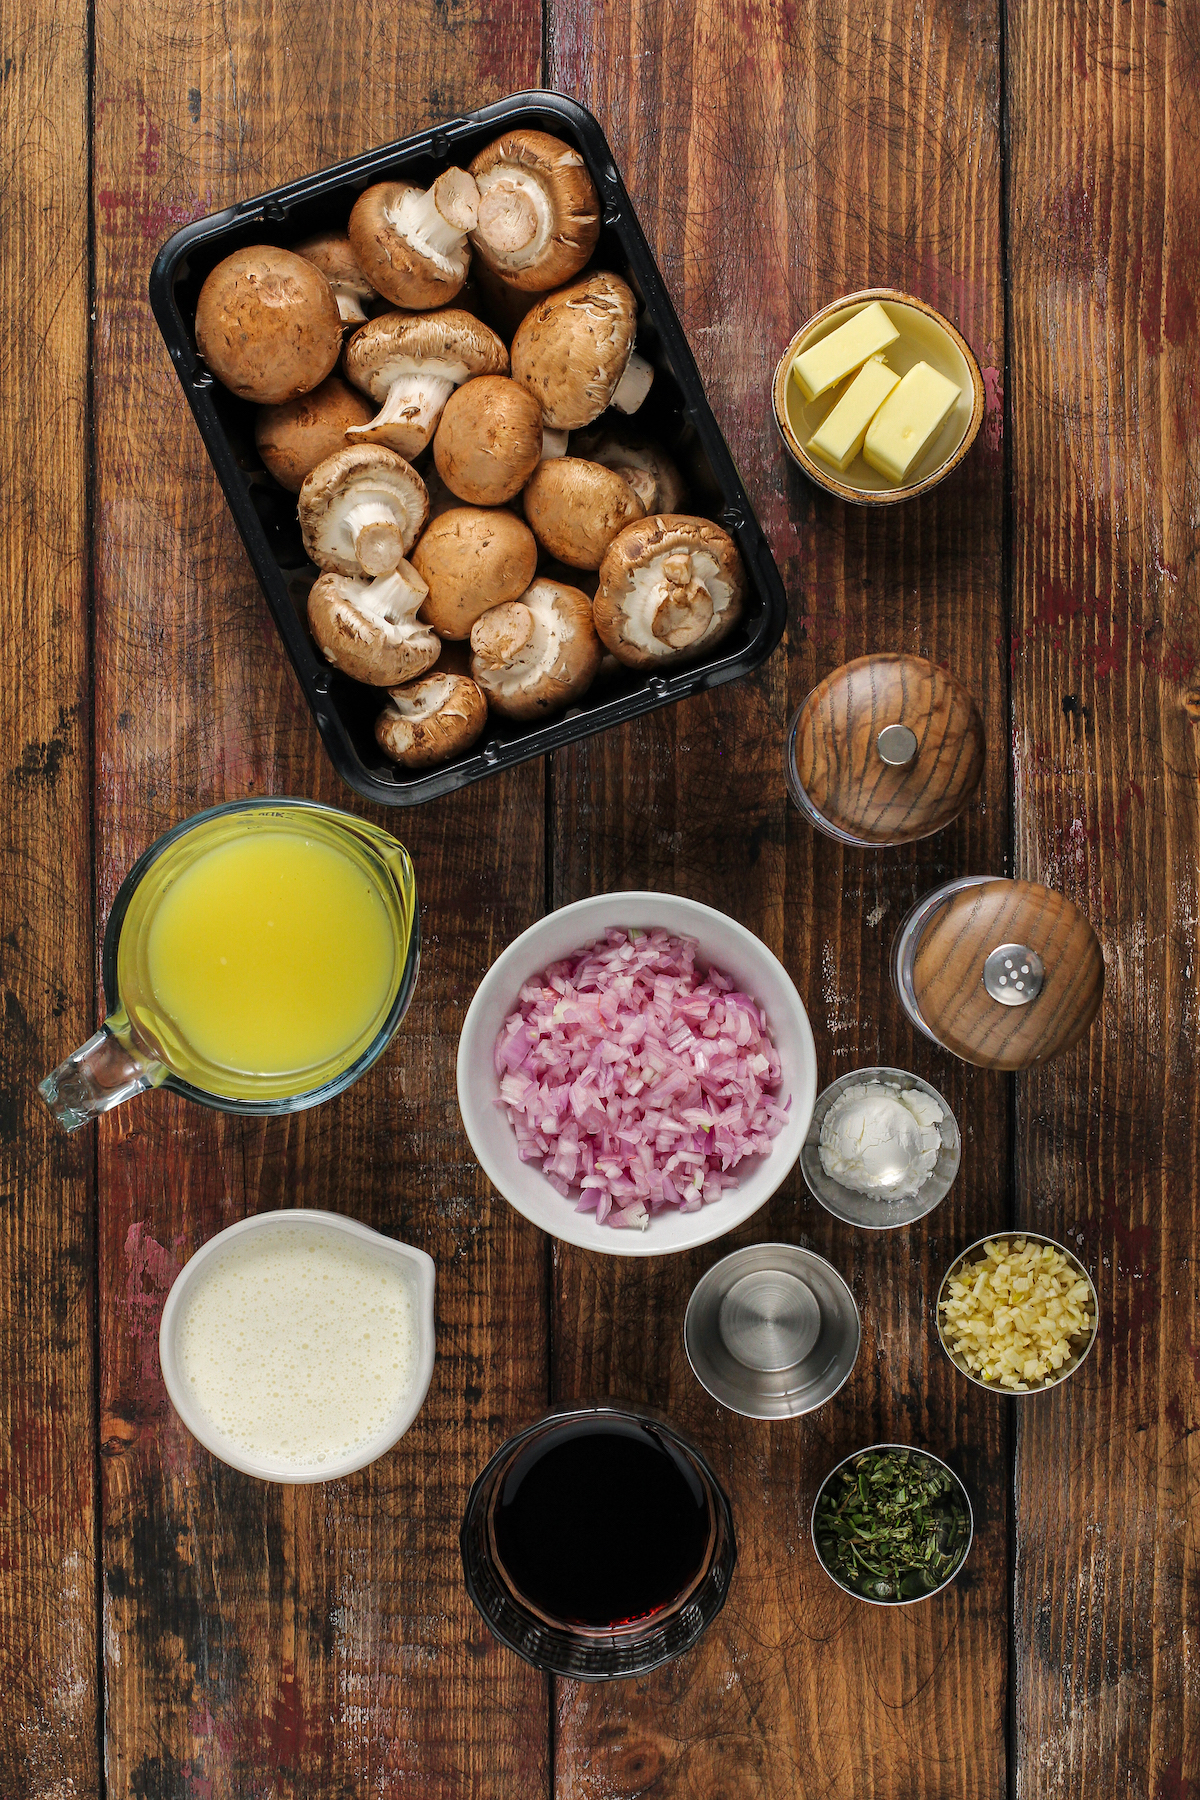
[(826, 363), (839, 437), (908, 421)]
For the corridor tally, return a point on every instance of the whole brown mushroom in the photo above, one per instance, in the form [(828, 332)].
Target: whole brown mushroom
[(361, 510), (575, 509), (369, 629), (472, 558), (411, 363), (539, 213), (428, 721), (575, 353), (641, 462), (537, 654), (333, 253), (412, 244), (267, 324), (488, 441), (671, 588), (294, 437)]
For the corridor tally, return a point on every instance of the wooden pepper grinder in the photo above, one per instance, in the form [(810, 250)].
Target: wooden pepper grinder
[(885, 750), (1002, 973)]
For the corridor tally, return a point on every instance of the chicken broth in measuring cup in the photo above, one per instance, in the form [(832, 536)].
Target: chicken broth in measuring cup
[(264, 963), (258, 958)]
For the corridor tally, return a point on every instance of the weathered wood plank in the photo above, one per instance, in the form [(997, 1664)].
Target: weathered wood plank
[(781, 155), (1104, 226), (264, 1641), (48, 1622)]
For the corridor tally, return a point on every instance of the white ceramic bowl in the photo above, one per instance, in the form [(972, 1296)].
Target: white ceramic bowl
[(417, 1270), (722, 942)]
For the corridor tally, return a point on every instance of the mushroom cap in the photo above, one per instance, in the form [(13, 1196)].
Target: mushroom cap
[(393, 264), (363, 475), (528, 179), (575, 509), (671, 588), (473, 559), (399, 343), (535, 655), (294, 437), (641, 462), (267, 324), (489, 440), (428, 721), (360, 640), (571, 349), (333, 253)]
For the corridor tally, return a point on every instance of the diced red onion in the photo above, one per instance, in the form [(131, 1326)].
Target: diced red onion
[(636, 1081)]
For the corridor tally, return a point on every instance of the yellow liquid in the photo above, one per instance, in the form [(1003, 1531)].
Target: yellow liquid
[(262, 959)]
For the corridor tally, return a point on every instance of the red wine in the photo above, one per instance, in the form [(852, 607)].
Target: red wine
[(603, 1523)]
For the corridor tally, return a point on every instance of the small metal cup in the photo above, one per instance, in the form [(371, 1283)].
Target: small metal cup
[(1057, 1376), (967, 1541), (869, 1211), (772, 1331)]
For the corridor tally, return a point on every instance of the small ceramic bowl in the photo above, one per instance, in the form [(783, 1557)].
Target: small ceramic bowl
[(925, 336), (722, 942), (961, 1545), (1058, 1376), (869, 1211), (417, 1271)]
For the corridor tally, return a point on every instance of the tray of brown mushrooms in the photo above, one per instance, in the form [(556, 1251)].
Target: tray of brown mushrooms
[(467, 447)]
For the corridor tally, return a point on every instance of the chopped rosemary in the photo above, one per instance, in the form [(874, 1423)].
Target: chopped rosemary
[(891, 1525)]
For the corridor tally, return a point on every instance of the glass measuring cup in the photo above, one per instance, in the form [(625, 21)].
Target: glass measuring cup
[(140, 1045)]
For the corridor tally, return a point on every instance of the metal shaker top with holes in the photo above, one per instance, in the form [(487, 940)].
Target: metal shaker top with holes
[(1013, 974)]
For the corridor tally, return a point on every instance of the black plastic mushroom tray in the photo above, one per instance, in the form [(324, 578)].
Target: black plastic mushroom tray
[(676, 412)]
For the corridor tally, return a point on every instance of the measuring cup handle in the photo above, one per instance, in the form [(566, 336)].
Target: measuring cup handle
[(95, 1078)]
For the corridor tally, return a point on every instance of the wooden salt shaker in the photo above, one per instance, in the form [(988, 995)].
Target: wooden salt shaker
[(886, 750), (1002, 973)]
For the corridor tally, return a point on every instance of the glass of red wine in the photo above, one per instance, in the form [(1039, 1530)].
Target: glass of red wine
[(598, 1543)]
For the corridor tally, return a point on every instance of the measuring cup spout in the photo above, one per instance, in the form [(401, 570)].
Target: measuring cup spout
[(95, 1078)]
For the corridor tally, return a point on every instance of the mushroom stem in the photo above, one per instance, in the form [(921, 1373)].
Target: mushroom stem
[(437, 222), (408, 416), (393, 600), (349, 306), (554, 443), (684, 614), (516, 219), (507, 219), (378, 542), (502, 633), (634, 384)]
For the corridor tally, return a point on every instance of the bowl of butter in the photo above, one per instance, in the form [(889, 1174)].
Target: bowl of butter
[(878, 397)]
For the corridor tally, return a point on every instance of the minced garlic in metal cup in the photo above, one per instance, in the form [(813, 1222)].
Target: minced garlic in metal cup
[(1018, 1314)]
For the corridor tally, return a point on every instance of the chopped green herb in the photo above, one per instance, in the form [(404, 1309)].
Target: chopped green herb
[(891, 1525)]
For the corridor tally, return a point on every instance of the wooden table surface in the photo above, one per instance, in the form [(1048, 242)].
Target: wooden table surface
[(172, 1629)]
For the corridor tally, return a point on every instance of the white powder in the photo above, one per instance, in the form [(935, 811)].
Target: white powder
[(880, 1139), (299, 1343)]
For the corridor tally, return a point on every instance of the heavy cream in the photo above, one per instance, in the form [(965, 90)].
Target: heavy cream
[(880, 1139), (298, 1343)]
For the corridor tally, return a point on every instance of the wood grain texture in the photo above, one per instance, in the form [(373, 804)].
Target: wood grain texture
[(1104, 229), (781, 155), (842, 772), (48, 1622), (948, 974), (263, 1641)]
